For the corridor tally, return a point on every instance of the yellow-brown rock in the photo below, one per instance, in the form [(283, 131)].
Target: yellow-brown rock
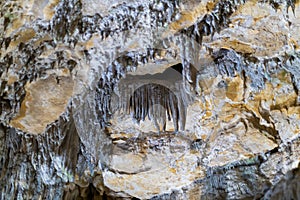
[(235, 90), (44, 102)]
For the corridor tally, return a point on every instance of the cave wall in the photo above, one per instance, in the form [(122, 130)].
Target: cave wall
[(149, 99)]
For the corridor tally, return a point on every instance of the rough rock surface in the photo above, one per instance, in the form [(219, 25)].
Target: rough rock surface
[(150, 99)]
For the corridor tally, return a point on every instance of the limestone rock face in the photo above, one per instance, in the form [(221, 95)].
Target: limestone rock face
[(149, 99)]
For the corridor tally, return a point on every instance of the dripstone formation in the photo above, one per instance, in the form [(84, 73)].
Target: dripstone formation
[(150, 99)]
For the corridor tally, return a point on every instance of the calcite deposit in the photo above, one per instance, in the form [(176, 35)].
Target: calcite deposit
[(151, 99)]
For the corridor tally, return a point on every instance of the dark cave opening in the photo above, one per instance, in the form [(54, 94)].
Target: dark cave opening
[(178, 67)]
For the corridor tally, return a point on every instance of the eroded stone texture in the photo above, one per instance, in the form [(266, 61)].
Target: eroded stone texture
[(44, 102), (69, 78)]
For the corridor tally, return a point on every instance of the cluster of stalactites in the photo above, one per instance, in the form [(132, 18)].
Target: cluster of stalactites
[(276, 4), (108, 84), (156, 102), (129, 17), (258, 70), (214, 21), (110, 79)]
